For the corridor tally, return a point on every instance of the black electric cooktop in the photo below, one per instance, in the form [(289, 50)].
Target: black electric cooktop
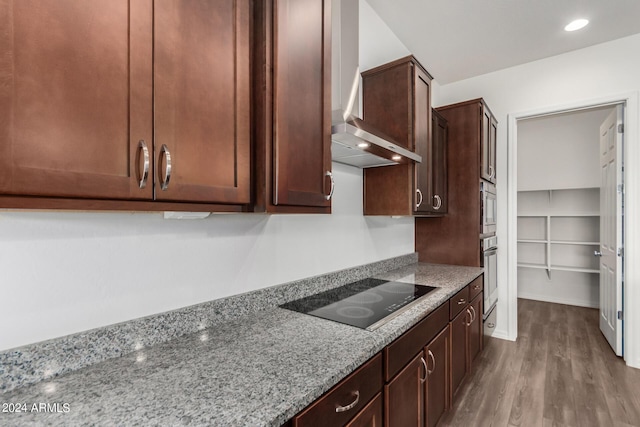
[(366, 304)]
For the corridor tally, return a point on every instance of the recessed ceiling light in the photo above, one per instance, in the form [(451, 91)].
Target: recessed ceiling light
[(576, 25), (364, 145)]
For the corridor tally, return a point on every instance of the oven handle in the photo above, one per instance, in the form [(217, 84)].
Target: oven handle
[(490, 252)]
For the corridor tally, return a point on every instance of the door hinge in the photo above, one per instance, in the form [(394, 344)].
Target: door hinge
[(620, 251), (619, 314), (620, 188), (621, 128)]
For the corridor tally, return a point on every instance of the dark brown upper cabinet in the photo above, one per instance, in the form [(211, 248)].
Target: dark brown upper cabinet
[(76, 98), (437, 199), (292, 100), (489, 135), (202, 100), (397, 101), (125, 105)]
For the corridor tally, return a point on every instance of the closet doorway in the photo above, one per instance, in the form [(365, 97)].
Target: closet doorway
[(570, 211)]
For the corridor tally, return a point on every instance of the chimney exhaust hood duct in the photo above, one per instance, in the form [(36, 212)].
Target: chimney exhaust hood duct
[(354, 142)]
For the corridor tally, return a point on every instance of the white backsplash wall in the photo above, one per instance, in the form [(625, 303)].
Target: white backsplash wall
[(65, 272)]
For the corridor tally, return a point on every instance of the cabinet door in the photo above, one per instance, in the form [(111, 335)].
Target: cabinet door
[(476, 330), (423, 141), (493, 135), (75, 98), (459, 350), (404, 395), (302, 103), (370, 416), (202, 104), (437, 357), (485, 163), (437, 197)]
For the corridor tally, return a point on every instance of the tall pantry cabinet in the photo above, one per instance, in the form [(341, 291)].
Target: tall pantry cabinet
[(454, 238)]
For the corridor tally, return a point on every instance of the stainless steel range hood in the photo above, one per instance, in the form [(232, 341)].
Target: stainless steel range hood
[(355, 142)]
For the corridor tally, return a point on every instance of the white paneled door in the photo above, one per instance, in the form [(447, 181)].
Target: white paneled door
[(611, 205)]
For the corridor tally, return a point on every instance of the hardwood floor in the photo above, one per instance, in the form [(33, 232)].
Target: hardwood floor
[(560, 372)]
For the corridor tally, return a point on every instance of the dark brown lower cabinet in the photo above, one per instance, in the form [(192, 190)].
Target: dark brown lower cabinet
[(475, 328), (437, 397), (459, 368), (466, 341), (404, 395), (343, 403)]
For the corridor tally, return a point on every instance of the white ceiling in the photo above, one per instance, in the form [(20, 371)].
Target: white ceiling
[(458, 39)]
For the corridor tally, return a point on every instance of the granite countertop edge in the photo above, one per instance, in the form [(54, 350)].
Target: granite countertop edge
[(258, 370)]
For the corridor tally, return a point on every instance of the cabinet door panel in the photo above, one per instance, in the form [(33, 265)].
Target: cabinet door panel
[(404, 396), (476, 330), (423, 140), (302, 116), (485, 145), (438, 194), (459, 350), (437, 357), (75, 97), (370, 416), (493, 135), (202, 106)]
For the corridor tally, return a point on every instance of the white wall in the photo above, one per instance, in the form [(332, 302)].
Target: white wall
[(65, 272), (601, 71), (560, 151)]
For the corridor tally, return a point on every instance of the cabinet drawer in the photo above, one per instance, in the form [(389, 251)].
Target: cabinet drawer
[(399, 353), (458, 302), (358, 387), (475, 287)]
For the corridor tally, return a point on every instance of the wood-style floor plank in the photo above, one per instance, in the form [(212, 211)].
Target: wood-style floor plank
[(560, 372)]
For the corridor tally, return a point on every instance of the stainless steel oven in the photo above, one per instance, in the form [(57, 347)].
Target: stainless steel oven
[(488, 207), (489, 247)]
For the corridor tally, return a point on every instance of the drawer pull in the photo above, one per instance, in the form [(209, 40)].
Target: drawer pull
[(476, 287), (426, 370), (350, 405), (433, 359), (462, 301)]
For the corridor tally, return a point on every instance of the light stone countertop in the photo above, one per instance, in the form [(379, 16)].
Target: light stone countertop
[(259, 370)]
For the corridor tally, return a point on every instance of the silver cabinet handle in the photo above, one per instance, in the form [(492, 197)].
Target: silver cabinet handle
[(462, 301), (164, 151), (597, 253), (350, 405), (433, 359), (438, 204), (419, 193), (145, 163), (470, 318), (492, 172), (473, 318), (426, 370), (333, 185), (491, 325)]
